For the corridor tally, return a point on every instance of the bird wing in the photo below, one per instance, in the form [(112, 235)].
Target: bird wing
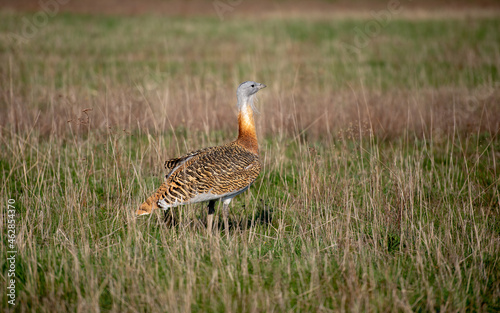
[(172, 164), (208, 174)]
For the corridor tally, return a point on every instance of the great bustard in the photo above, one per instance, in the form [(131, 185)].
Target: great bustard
[(221, 172)]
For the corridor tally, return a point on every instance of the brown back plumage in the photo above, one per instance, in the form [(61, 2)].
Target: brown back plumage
[(205, 174)]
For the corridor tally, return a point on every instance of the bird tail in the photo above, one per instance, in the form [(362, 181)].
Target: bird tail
[(151, 203)]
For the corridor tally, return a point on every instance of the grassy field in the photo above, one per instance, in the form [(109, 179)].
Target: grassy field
[(380, 186)]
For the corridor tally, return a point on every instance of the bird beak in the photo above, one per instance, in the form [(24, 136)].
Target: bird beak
[(262, 86)]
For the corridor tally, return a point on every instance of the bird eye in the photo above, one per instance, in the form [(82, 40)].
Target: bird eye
[(253, 86)]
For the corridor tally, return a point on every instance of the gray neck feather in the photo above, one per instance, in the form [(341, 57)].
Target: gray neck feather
[(246, 100)]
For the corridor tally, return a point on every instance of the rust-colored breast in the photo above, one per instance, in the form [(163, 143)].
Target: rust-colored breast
[(247, 136)]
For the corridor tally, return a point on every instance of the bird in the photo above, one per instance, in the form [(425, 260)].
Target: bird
[(214, 173)]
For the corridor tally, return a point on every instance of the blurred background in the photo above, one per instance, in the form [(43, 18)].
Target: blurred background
[(206, 8), (379, 66)]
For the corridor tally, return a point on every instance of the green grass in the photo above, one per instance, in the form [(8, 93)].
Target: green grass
[(379, 190), (457, 52)]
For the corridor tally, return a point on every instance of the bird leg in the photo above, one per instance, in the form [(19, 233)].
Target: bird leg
[(210, 216), (225, 214), (168, 217)]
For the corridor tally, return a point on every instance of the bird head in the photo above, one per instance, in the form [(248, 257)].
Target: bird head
[(246, 92)]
